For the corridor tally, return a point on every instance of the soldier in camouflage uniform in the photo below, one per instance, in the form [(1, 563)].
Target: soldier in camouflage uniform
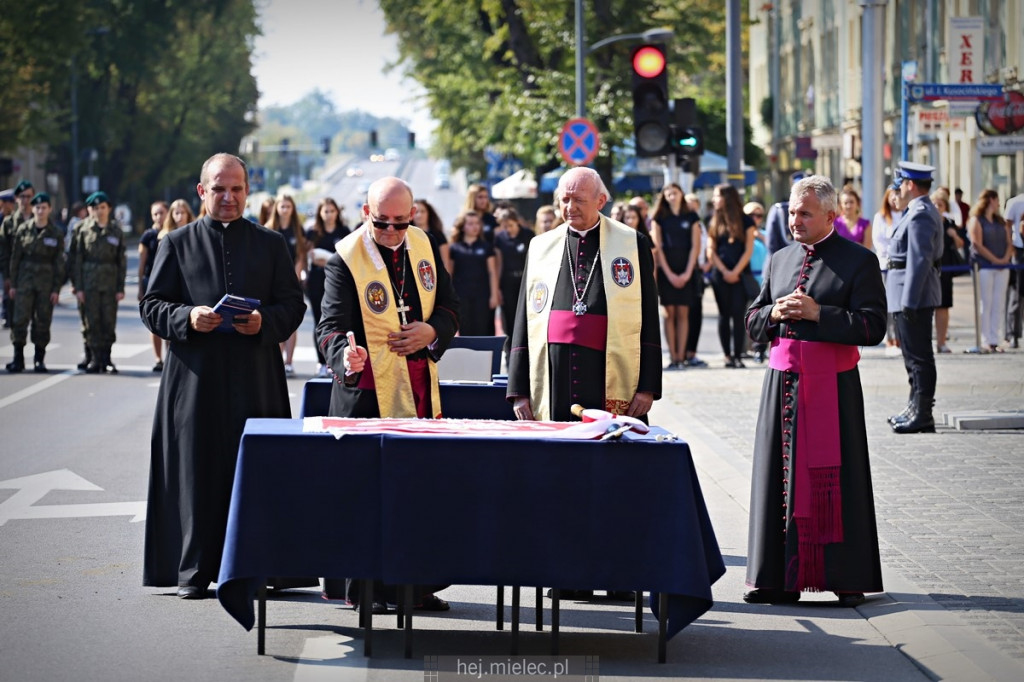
[(97, 263), (23, 193), (37, 271)]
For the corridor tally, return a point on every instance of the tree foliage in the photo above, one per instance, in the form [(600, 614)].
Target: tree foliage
[(501, 73), (160, 86)]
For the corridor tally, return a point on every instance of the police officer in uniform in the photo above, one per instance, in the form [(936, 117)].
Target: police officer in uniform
[(37, 272), (98, 265), (23, 194), (913, 292)]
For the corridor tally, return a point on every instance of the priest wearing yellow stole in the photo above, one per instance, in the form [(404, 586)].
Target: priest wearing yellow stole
[(387, 285), (586, 327), (389, 312)]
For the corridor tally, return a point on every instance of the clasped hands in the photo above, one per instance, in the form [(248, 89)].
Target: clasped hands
[(202, 319), (795, 306)]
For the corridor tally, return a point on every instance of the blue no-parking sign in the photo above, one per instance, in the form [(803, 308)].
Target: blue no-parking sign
[(579, 142)]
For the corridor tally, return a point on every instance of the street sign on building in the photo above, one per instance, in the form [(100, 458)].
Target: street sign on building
[(931, 92), (965, 49)]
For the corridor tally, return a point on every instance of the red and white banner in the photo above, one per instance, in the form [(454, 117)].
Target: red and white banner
[(965, 50), (451, 428)]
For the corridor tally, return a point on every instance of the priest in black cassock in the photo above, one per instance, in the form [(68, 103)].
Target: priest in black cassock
[(812, 515), (586, 328), (213, 379), (389, 312)]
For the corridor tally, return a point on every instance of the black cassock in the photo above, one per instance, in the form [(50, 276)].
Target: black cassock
[(844, 278), (577, 373), (341, 313), (211, 383)]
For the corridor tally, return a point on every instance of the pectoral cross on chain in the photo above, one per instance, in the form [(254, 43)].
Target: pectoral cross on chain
[(402, 310)]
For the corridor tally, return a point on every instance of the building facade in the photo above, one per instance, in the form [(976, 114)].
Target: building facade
[(806, 86)]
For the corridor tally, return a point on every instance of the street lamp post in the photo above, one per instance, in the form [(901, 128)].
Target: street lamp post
[(653, 35)]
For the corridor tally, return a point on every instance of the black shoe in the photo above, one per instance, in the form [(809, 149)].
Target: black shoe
[(621, 595), (15, 367), (763, 595), (379, 608), (39, 367), (850, 599), (191, 592), (432, 603), (159, 366)]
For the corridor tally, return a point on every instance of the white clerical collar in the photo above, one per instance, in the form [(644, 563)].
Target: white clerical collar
[(583, 233), (830, 232)]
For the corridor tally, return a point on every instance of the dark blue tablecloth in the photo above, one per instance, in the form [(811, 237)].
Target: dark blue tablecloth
[(571, 514), (458, 401)]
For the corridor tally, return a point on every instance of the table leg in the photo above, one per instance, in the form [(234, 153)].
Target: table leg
[(515, 619), (261, 618), (639, 611), (540, 609), (407, 602), (662, 625), (499, 615), (366, 617), (556, 597)]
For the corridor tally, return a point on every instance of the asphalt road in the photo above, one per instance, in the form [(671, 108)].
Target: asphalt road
[(74, 461)]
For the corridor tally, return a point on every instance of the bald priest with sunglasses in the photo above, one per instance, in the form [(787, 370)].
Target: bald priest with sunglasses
[(387, 285)]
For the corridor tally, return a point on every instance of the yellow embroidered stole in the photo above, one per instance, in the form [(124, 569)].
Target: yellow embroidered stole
[(619, 263), (380, 315)]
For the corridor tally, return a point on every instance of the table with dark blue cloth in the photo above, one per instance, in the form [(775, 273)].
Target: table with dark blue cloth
[(458, 400), (625, 515)]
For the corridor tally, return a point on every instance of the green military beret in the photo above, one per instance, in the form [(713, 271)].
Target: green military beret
[(41, 198), (97, 198), (22, 186)]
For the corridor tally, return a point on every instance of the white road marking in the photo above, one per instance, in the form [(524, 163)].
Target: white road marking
[(36, 388), (330, 659), (31, 489)]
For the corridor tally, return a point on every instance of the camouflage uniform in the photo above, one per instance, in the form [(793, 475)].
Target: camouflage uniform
[(9, 226), (37, 271), (97, 266)]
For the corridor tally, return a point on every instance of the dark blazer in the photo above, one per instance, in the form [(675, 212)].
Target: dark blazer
[(917, 245)]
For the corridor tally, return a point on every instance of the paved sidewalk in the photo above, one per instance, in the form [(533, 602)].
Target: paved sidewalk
[(950, 505)]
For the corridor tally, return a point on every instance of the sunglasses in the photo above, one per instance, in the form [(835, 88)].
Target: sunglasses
[(383, 224)]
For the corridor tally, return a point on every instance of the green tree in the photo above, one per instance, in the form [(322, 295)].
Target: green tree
[(500, 73), (160, 87)]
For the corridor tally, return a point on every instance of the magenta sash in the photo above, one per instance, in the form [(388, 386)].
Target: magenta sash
[(817, 503), (589, 331)]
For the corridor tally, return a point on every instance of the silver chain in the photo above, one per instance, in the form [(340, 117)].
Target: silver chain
[(579, 307)]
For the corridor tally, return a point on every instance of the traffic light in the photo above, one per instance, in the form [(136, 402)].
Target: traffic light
[(325, 143), (650, 101), (688, 141), (373, 139), (412, 140)]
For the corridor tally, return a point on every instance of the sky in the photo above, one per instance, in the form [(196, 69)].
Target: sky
[(337, 46)]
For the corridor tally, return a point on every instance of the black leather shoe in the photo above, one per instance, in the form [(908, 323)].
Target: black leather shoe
[(850, 599), (763, 595), (378, 608), (39, 367), (191, 592)]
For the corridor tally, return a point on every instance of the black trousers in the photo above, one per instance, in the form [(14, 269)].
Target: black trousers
[(916, 344), (1015, 300)]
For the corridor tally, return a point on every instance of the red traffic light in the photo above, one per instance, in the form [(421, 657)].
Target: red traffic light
[(648, 61)]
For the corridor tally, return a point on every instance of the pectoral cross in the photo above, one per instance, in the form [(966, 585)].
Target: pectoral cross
[(402, 310), (580, 308)]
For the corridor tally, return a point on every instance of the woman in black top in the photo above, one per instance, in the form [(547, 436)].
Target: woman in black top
[(427, 219), (474, 276), (511, 242), (328, 229), (675, 231), (731, 237), (285, 219), (479, 199)]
